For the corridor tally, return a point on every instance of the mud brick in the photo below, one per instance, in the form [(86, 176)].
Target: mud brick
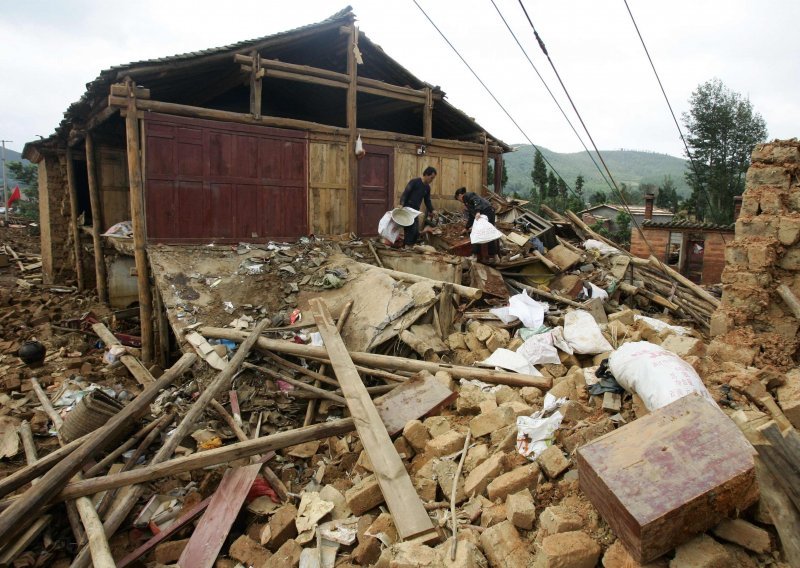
[(483, 474), (525, 477), (416, 434), (248, 551), (747, 535), (557, 519), (364, 496), (287, 556), (553, 462), (503, 546), (617, 557), (568, 550), (702, 552), (521, 510), (282, 526), (694, 450), (448, 443)]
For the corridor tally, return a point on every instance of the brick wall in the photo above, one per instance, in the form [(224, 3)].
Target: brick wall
[(714, 256), (658, 239), (57, 254)]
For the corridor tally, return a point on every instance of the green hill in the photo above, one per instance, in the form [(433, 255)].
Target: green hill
[(630, 167)]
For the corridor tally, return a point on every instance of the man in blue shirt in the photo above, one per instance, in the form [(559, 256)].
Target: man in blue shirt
[(416, 190)]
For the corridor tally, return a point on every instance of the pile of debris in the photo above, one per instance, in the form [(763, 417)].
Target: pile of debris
[(355, 405)]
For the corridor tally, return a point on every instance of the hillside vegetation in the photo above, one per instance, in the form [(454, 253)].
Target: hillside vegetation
[(628, 166)]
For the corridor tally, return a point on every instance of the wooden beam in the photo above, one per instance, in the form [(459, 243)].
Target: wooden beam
[(408, 513), (227, 116), (73, 219), (418, 94), (427, 117), (255, 84), (681, 279), (387, 361), (466, 291), (290, 76), (498, 174), (139, 371), (391, 95), (352, 129), (14, 519), (97, 220), (27, 474), (138, 223)]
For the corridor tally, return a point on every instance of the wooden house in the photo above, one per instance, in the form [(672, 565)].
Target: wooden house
[(253, 141)]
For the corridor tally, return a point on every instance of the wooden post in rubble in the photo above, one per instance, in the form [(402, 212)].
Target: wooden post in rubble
[(137, 222), (97, 219), (352, 125), (427, 117), (498, 174), (73, 219), (256, 73)]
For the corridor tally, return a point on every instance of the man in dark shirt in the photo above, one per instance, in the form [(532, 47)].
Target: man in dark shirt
[(477, 205), (416, 190)]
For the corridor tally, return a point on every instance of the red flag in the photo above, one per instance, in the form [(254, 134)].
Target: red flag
[(14, 196)]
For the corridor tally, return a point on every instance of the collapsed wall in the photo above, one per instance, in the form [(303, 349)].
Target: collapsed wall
[(753, 324)]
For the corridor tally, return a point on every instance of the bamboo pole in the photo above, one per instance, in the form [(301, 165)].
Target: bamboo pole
[(138, 223), (685, 281), (351, 115), (387, 361), (97, 220), (73, 219)]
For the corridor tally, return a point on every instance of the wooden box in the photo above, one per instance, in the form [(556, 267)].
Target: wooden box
[(669, 475)]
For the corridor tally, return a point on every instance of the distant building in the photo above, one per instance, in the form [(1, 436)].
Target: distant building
[(607, 214)]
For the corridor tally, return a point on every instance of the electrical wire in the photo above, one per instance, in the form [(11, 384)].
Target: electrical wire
[(552, 96), (491, 94)]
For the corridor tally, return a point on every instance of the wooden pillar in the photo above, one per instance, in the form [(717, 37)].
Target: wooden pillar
[(256, 73), (427, 117), (352, 126), (498, 174), (73, 217), (485, 166), (97, 220), (138, 223)]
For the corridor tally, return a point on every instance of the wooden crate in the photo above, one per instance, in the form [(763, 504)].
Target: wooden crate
[(668, 476)]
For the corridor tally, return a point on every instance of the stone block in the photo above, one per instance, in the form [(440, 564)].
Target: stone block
[(448, 443), (476, 455), (557, 519), (531, 395), (672, 443), (437, 425), (574, 549), (445, 471), (416, 434), (489, 422), (503, 546), (684, 346), (480, 477), (553, 462), (746, 535), (625, 317), (287, 556), (516, 480), (468, 555), (364, 496), (282, 526), (248, 551), (493, 514), (701, 552), (520, 509), (170, 552)]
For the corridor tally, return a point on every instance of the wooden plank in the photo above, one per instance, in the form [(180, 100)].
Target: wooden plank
[(73, 219), (186, 518), (352, 129), (136, 368), (97, 219), (417, 397), (208, 537), (408, 513), (563, 257), (619, 266), (785, 516)]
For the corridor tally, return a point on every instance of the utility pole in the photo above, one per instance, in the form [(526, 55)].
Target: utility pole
[(5, 179)]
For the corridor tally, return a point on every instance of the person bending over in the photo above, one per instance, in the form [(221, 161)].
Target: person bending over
[(477, 205)]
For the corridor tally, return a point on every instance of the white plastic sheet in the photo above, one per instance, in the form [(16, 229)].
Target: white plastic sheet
[(583, 334), (539, 350), (529, 311), (660, 326), (512, 361), (388, 229), (535, 432), (483, 231), (658, 376), (599, 246), (503, 314), (598, 292)]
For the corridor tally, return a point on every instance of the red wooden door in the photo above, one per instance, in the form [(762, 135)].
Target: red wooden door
[(694, 260), (375, 176), (208, 181)]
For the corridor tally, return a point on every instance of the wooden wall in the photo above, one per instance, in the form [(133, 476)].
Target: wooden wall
[(328, 186), (112, 178), (454, 170)]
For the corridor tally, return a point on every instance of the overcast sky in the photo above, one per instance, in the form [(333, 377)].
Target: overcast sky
[(52, 49)]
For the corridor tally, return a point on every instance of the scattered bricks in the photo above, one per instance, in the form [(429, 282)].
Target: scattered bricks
[(701, 552), (445, 471), (525, 477), (404, 449), (364, 496), (425, 481), (468, 555), (789, 397), (480, 477), (507, 394), (446, 379), (672, 443), (488, 405), (568, 550), (503, 546), (553, 462), (483, 332), (582, 436), (520, 509), (475, 456), (39, 421), (448, 443), (559, 519), (169, 552), (617, 557), (495, 342), (747, 535), (564, 389), (683, 346), (286, 556), (410, 555), (625, 316), (369, 547), (437, 425), (515, 344), (282, 527), (493, 515), (416, 434), (720, 323), (469, 400), (489, 422), (573, 411), (11, 383), (473, 343), (556, 370), (722, 349), (456, 341), (531, 395), (518, 407), (612, 402), (247, 551)]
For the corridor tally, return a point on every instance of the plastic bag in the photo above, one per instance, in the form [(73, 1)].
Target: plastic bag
[(539, 350), (658, 376), (388, 229), (512, 361), (483, 231), (529, 311), (535, 432), (583, 334)]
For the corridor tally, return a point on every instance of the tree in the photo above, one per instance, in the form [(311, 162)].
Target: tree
[(597, 198), (722, 130), (27, 175), (579, 183), (552, 185), (623, 232), (562, 192), (539, 174), (667, 195)]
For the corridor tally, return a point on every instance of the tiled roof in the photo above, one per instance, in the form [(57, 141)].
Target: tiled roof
[(686, 224), (634, 209)]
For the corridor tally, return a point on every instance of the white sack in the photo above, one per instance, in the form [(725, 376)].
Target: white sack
[(512, 361), (660, 326), (529, 311), (599, 246), (535, 432), (583, 334), (483, 231), (658, 376), (539, 350), (388, 229)]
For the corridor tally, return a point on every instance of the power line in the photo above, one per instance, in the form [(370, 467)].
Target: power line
[(491, 94), (552, 96)]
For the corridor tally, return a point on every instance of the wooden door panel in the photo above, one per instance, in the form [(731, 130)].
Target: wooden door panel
[(375, 182)]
